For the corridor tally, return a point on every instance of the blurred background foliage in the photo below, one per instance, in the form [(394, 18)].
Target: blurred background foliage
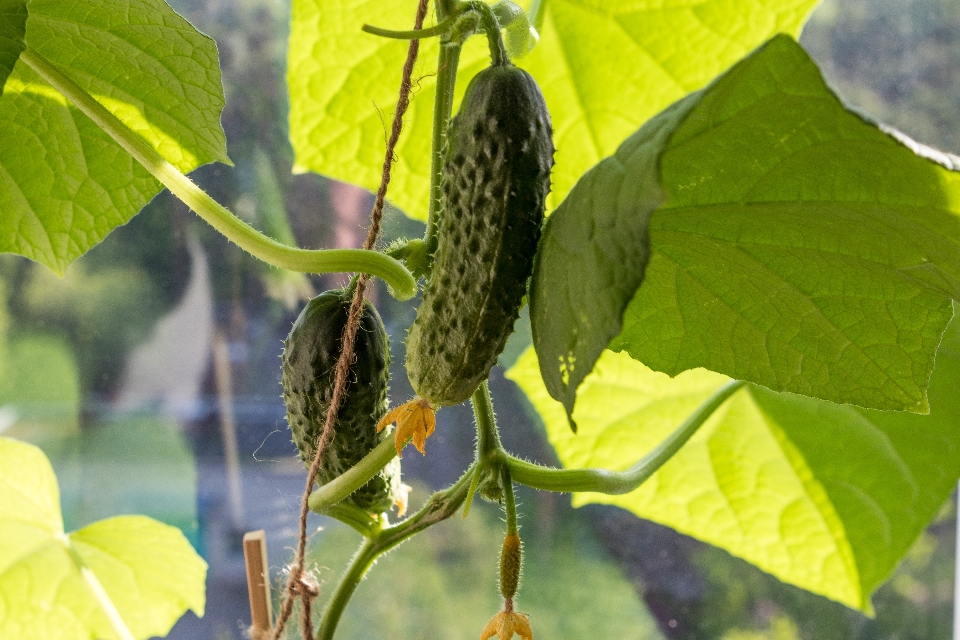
[(67, 350)]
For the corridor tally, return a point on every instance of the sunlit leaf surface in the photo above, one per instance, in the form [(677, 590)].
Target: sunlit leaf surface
[(824, 496), (148, 570)]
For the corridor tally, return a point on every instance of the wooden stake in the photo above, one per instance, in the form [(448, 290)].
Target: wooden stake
[(258, 579)]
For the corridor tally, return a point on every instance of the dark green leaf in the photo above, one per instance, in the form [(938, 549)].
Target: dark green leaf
[(800, 247), (592, 256)]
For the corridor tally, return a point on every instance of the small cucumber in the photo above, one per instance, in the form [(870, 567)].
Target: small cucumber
[(496, 177), (310, 358)]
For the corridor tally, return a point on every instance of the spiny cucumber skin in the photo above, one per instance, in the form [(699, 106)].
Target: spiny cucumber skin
[(310, 358), (496, 177)]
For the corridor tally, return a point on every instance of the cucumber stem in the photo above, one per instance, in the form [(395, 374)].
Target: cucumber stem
[(440, 506), (498, 50), (446, 8), (619, 482), (509, 501), (413, 34), (401, 282), (488, 438), (354, 477)]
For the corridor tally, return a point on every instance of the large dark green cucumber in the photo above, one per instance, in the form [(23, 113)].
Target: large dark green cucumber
[(310, 358), (496, 177)]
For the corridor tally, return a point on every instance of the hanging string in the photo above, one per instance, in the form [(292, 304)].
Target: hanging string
[(294, 588)]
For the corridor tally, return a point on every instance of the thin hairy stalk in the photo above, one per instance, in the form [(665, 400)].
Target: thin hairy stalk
[(489, 451), (618, 482), (488, 438), (439, 507), (341, 374), (509, 501), (491, 26), (401, 282)]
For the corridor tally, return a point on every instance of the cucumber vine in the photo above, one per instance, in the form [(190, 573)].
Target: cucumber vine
[(489, 176), (494, 470)]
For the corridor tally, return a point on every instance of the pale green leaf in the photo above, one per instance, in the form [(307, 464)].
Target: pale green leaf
[(823, 496), (64, 184), (800, 247), (148, 570), (343, 90), (604, 67), (13, 25)]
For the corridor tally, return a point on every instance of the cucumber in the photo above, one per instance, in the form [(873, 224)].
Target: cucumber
[(496, 177), (310, 358)]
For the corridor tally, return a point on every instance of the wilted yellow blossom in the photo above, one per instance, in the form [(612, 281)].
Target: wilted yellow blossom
[(505, 624), (415, 419)]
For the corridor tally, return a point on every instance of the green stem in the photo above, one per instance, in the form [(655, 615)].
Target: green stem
[(488, 438), (498, 51), (471, 491), (413, 34), (489, 451), (246, 237), (358, 567), (446, 8), (509, 501), (354, 478), (356, 517), (442, 110), (439, 507), (99, 593), (613, 482)]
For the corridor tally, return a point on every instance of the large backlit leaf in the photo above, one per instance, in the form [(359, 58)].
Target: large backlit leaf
[(823, 496), (604, 67), (800, 247), (64, 184), (13, 26), (148, 570)]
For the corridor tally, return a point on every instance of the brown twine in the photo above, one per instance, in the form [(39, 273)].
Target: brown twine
[(292, 590), (307, 590)]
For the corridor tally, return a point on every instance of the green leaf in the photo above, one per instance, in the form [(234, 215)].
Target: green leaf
[(149, 573), (607, 67), (343, 90), (592, 256), (64, 184), (823, 496), (604, 67), (800, 247), (13, 26)]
